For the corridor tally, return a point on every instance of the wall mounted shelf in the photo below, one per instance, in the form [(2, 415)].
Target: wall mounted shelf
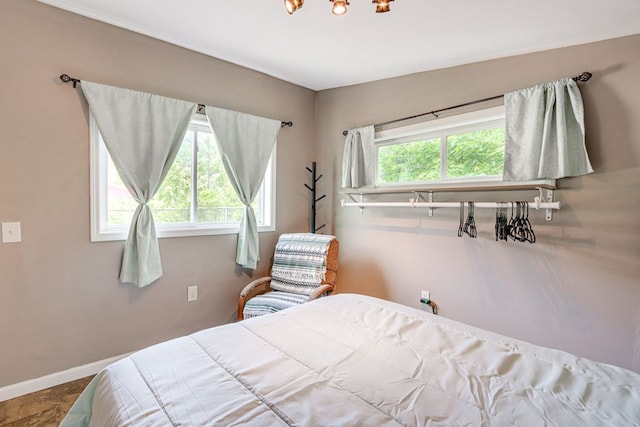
[(484, 185), (358, 197)]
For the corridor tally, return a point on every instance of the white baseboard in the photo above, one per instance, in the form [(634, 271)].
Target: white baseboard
[(57, 378)]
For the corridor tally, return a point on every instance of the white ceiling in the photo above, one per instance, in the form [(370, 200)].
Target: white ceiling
[(317, 50)]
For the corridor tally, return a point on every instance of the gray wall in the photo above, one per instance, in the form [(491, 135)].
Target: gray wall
[(578, 287), (61, 304)]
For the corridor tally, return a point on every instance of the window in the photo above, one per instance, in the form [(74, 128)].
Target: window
[(196, 197), (464, 148)]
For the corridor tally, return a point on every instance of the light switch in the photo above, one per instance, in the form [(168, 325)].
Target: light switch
[(11, 232), (192, 293)]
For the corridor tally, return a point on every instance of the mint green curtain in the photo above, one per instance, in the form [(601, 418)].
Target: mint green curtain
[(545, 133), (143, 133), (245, 143), (358, 160)]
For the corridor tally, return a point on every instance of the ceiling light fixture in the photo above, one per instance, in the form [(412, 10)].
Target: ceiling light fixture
[(382, 6), (339, 7), (293, 5)]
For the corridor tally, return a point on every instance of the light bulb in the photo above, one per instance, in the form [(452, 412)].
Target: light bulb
[(293, 5), (382, 6), (339, 7)]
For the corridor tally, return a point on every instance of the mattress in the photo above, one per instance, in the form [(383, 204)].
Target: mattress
[(353, 360)]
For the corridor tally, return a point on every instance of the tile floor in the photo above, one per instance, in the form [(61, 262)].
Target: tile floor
[(45, 408)]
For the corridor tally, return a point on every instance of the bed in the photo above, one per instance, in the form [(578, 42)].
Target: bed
[(353, 360)]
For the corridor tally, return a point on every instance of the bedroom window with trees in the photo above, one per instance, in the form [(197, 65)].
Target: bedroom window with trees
[(458, 149), (196, 197)]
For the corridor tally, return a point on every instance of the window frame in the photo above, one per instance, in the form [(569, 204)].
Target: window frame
[(101, 231), (440, 128)]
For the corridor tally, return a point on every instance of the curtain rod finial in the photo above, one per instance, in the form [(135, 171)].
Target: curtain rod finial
[(66, 79), (584, 77)]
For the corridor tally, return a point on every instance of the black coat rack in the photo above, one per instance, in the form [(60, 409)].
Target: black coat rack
[(314, 200)]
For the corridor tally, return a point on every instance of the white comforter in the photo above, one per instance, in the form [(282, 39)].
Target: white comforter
[(351, 360)]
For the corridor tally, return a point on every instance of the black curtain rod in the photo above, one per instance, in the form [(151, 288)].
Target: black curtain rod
[(581, 78), (201, 107)]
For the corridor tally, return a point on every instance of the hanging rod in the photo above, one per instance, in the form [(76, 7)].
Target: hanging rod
[(539, 202), (584, 77), (201, 107), (413, 204)]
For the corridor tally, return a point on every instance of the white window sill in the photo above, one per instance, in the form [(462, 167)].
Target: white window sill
[(121, 233)]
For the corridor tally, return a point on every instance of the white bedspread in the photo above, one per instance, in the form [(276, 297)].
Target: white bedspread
[(351, 360)]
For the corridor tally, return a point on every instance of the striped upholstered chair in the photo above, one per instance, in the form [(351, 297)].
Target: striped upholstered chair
[(304, 268)]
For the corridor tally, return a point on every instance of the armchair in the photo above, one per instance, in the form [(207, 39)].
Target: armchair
[(304, 267)]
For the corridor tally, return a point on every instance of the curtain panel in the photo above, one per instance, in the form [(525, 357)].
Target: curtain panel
[(545, 133), (358, 160), (142, 133), (245, 143)]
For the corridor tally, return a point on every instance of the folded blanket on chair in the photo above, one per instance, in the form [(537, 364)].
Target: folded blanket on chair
[(300, 262)]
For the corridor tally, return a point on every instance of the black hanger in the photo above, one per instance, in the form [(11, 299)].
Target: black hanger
[(501, 222), (470, 225), (531, 236)]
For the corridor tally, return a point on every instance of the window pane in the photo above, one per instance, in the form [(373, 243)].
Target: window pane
[(120, 204), (412, 161), (172, 202), (478, 153), (217, 200), (175, 205)]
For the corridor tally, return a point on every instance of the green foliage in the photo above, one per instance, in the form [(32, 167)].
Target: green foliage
[(217, 200), (172, 202), (413, 161), (479, 153), (472, 154)]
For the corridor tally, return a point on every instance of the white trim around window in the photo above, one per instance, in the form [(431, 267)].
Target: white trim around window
[(488, 118), (466, 122), (102, 231)]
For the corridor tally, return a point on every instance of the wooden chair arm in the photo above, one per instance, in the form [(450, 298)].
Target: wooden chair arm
[(325, 287), (256, 287), (261, 281)]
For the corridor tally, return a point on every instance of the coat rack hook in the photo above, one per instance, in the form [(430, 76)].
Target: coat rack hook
[(314, 199)]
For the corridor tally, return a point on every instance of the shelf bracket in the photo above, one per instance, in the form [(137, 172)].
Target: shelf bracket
[(419, 198), (352, 199), (547, 198), (549, 215)]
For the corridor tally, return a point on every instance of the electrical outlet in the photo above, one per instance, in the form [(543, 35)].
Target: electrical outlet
[(192, 293), (425, 296), (11, 232)]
